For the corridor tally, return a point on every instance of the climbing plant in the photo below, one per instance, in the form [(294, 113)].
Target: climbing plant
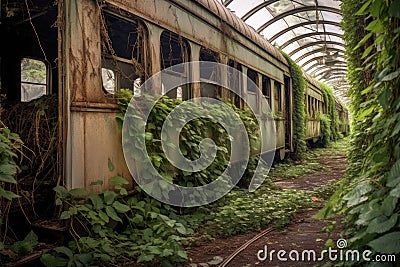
[(370, 195), (191, 135), (330, 119), (299, 110)]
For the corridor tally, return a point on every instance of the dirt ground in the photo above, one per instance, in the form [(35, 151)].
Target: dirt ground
[(302, 233)]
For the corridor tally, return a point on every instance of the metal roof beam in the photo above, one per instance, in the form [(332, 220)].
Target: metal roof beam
[(310, 34), (297, 10), (314, 73), (305, 23), (317, 51), (317, 73), (255, 9), (332, 74), (313, 44), (227, 2), (321, 58), (342, 63)]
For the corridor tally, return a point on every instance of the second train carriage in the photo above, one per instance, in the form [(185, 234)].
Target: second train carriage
[(102, 46)]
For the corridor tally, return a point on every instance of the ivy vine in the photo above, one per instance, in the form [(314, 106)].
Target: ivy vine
[(299, 84), (370, 194)]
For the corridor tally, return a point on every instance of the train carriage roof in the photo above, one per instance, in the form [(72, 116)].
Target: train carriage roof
[(307, 30), (220, 10)]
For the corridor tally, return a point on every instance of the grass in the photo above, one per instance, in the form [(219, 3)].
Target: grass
[(309, 164)]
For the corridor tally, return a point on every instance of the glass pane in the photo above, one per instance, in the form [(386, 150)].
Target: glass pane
[(33, 71), (31, 91), (108, 78), (33, 79)]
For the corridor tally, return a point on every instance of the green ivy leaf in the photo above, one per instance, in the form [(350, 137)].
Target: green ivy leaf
[(389, 243), (96, 201), (363, 10), (109, 197), (7, 194), (110, 166), (396, 191), (388, 205), (118, 180), (122, 208), (382, 224), (391, 76), (103, 216), (112, 214), (65, 215), (76, 192), (393, 177), (52, 261), (64, 250)]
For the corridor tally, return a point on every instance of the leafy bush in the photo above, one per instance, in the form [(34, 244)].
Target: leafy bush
[(192, 133), (9, 144), (109, 230), (324, 139), (333, 133)]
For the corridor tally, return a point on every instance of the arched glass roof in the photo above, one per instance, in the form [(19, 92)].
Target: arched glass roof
[(308, 30)]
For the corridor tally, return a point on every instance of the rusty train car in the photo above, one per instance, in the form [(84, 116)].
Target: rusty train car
[(89, 49)]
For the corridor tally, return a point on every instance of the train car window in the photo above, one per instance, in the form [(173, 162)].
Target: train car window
[(252, 89), (207, 73), (210, 56), (278, 96), (175, 50), (311, 106), (123, 53), (235, 82), (266, 88), (126, 37), (253, 77), (33, 79)]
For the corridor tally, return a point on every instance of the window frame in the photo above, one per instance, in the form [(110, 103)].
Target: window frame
[(46, 84)]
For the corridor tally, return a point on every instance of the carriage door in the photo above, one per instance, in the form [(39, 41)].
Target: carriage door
[(288, 114)]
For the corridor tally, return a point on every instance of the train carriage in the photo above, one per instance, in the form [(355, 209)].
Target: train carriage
[(91, 49)]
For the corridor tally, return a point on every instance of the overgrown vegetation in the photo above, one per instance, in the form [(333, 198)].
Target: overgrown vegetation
[(191, 135), (9, 145), (109, 229), (369, 197), (330, 123), (299, 84)]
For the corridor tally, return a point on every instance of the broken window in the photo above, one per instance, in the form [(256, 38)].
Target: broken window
[(234, 82), (108, 79), (208, 73), (33, 79), (175, 51), (123, 54)]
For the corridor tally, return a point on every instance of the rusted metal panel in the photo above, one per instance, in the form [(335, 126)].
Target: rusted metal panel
[(229, 35), (84, 52), (280, 133), (92, 136), (95, 139)]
